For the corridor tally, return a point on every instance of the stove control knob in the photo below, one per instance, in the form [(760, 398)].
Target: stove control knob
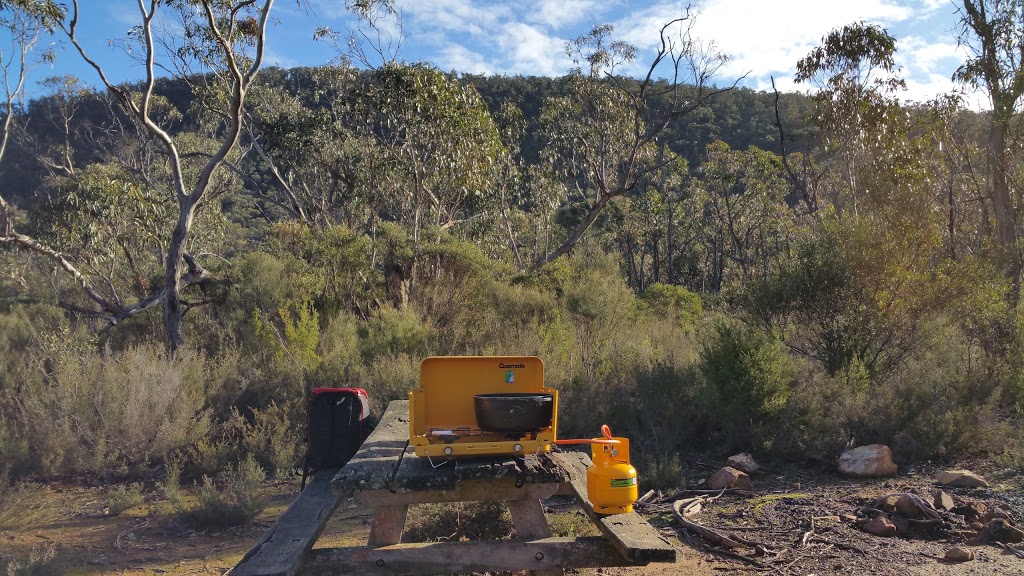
[(518, 447), (448, 450)]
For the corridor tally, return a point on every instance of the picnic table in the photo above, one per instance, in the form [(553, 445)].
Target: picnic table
[(387, 477)]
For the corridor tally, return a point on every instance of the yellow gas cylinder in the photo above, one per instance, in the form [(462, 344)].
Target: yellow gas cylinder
[(611, 481)]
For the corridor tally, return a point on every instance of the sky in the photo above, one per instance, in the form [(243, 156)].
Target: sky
[(764, 39)]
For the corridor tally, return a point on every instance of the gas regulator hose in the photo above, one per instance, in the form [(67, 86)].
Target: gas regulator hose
[(605, 431)]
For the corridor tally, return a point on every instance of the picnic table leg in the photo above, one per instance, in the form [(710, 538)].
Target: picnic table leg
[(388, 524), (529, 520)]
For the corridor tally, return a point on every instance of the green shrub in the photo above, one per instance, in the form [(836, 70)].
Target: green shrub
[(571, 524), (940, 403), (660, 471), (104, 412), (273, 437), (170, 488), (390, 378), (748, 380), (390, 332), (42, 561), (235, 501), (675, 302), (122, 498)]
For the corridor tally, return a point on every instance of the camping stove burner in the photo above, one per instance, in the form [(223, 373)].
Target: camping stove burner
[(451, 435)]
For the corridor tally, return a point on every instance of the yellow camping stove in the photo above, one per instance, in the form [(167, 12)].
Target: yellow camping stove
[(482, 406)]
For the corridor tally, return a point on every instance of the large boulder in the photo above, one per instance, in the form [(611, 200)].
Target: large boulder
[(867, 461), (743, 462), (960, 479), (729, 478)]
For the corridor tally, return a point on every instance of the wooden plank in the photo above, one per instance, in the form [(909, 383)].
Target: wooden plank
[(281, 550), (468, 491), (528, 518), (630, 534), (466, 557), (388, 525), (373, 466)]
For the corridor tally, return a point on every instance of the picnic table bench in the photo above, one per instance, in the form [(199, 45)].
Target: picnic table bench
[(387, 477)]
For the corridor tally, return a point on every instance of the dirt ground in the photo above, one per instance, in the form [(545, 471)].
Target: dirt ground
[(67, 522)]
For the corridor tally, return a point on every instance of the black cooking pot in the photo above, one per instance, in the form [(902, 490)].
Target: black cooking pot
[(513, 412)]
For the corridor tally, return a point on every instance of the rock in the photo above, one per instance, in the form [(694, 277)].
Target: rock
[(880, 526), (906, 507), (743, 462), (887, 503), (1000, 530), (729, 478), (976, 526), (848, 518), (867, 461), (992, 514), (958, 554), (943, 501), (960, 479), (971, 511)]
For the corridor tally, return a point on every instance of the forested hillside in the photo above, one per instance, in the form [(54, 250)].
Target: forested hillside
[(701, 266)]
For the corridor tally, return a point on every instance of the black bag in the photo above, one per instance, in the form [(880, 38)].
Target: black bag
[(335, 428)]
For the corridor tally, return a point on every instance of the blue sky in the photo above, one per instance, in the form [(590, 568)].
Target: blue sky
[(764, 38)]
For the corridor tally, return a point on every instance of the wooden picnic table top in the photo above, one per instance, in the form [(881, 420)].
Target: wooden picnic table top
[(386, 462), (386, 471), (385, 474)]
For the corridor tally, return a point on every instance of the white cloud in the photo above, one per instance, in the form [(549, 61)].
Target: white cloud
[(329, 9), (461, 59), (272, 57), (558, 13), (457, 16), (921, 56), (529, 51)]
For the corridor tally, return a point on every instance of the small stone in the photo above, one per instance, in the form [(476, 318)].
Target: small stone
[(880, 526), (867, 461), (976, 526), (848, 518), (943, 501), (960, 479), (743, 462), (794, 485), (729, 477), (958, 554)]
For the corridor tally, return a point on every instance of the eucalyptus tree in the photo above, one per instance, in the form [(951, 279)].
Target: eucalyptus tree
[(748, 225), (993, 32), (855, 108), (312, 159), (226, 39), (601, 136)]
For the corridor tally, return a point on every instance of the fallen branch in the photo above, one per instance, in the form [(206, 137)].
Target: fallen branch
[(708, 533), (682, 493), (840, 545), (1011, 549), (807, 535)]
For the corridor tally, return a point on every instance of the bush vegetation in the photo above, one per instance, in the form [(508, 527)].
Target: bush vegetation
[(674, 373), (706, 296)]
